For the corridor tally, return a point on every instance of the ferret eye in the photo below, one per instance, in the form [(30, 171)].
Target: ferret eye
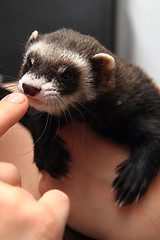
[(30, 63), (67, 75)]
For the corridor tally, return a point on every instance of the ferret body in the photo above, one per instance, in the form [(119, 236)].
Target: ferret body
[(66, 75)]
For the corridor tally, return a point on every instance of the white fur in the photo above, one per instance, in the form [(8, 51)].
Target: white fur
[(53, 53), (47, 93), (31, 80), (49, 97)]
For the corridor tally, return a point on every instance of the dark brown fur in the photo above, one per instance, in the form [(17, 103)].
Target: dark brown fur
[(125, 108)]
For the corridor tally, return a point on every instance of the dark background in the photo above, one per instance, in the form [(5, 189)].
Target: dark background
[(19, 18)]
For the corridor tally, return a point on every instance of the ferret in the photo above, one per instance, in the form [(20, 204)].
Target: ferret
[(65, 75)]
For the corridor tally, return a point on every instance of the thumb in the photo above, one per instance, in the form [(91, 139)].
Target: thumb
[(9, 174), (59, 206), (12, 109)]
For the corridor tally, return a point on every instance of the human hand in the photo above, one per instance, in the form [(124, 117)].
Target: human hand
[(23, 217), (12, 109), (93, 210)]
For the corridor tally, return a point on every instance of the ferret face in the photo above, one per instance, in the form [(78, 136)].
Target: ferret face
[(54, 77)]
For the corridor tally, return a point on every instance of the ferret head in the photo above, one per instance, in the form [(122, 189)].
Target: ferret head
[(64, 68)]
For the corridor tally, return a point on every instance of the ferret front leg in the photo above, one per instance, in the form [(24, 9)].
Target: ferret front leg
[(136, 173), (52, 157)]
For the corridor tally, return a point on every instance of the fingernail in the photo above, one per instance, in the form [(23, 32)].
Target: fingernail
[(15, 98)]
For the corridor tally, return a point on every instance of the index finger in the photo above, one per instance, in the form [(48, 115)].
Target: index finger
[(12, 109)]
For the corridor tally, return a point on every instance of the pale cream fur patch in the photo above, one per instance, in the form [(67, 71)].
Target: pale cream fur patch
[(110, 62), (34, 35)]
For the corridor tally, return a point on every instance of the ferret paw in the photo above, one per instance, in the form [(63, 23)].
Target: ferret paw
[(57, 164), (131, 183), (60, 167)]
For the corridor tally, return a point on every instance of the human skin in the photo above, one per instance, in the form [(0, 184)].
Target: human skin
[(22, 216), (93, 211)]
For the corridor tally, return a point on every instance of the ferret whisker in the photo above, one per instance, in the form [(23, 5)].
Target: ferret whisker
[(57, 106), (70, 115), (42, 134), (11, 84), (56, 120), (83, 119), (76, 107), (22, 154), (32, 113), (11, 88), (35, 116), (48, 127), (92, 113), (63, 111), (71, 118), (9, 91), (7, 76), (65, 116)]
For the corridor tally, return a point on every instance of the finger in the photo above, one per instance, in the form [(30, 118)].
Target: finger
[(9, 174), (12, 109), (59, 204), (46, 183)]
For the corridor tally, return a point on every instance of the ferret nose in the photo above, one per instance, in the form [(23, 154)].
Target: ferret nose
[(30, 90)]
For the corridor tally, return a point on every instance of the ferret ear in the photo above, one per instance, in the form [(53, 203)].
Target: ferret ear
[(34, 36), (103, 65)]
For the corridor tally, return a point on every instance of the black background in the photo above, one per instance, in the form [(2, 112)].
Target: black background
[(19, 18)]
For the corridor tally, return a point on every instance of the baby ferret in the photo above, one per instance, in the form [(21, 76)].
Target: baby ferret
[(70, 76)]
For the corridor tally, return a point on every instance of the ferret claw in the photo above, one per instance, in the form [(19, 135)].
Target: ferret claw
[(61, 178), (118, 168), (67, 175), (113, 188), (116, 204), (70, 163), (138, 197), (121, 204)]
